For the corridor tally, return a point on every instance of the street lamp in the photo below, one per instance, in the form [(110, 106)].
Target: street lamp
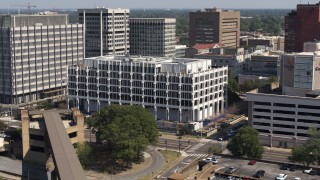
[(270, 138)]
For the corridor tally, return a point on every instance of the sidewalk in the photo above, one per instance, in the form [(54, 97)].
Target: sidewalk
[(277, 149), (172, 136)]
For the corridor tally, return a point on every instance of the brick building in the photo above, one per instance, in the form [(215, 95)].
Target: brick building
[(302, 25)]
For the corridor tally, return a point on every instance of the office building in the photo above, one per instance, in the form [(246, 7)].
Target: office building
[(302, 25), (152, 36), (233, 58), (214, 26), (180, 51), (34, 53), (172, 89), (283, 115), (106, 31), (272, 43)]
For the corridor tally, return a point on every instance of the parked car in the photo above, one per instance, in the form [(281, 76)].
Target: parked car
[(231, 178), (281, 177), (215, 160), (313, 172), (297, 178), (220, 138), (260, 174), (252, 162), (284, 167), (292, 168), (231, 170), (307, 170), (208, 160)]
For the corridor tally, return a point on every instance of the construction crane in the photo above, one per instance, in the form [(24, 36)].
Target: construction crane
[(29, 6)]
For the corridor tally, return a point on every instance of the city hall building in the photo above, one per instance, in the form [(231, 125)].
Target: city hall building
[(172, 89)]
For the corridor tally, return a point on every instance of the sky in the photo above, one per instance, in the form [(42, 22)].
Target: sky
[(180, 4)]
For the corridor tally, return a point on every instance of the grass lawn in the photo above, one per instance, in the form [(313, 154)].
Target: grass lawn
[(170, 157)]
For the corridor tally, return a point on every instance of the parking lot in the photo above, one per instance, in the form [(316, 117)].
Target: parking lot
[(271, 170)]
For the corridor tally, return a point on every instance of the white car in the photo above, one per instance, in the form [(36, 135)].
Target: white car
[(307, 170), (208, 160), (215, 160), (231, 178), (281, 177), (297, 178)]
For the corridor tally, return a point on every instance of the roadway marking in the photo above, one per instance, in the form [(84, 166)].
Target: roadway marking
[(196, 147)]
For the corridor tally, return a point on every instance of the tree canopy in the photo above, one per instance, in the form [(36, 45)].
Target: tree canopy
[(246, 143), (84, 154), (125, 130), (309, 153)]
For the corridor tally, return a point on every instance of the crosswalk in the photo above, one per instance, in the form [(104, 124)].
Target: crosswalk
[(216, 141), (198, 155)]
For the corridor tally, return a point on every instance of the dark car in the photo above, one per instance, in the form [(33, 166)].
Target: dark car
[(252, 162), (284, 167), (292, 168), (313, 172), (260, 174)]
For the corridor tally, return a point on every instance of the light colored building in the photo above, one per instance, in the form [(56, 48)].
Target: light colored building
[(234, 58), (34, 53), (172, 89), (180, 51), (106, 31), (214, 25), (284, 115), (152, 36), (273, 43)]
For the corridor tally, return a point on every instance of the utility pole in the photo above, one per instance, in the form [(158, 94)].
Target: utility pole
[(179, 144)]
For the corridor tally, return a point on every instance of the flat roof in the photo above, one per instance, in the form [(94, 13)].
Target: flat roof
[(160, 60)]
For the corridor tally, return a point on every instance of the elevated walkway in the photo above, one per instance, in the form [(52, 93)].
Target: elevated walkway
[(64, 156)]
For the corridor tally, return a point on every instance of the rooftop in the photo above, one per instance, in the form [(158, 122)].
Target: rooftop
[(206, 46), (141, 59)]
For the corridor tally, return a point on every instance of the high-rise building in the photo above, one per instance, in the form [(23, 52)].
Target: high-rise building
[(302, 25), (214, 26), (152, 36), (172, 89), (106, 31), (34, 53)]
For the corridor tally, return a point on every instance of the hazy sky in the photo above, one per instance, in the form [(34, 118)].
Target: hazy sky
[(62, 4)]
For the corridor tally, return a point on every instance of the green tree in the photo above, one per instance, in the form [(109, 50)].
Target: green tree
[(246, 143), (309, 153), (303, 155), (46, 105), (2, 125), (126, 130), (84, 151)]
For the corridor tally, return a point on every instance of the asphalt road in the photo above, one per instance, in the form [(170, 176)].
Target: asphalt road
[(173, 144)]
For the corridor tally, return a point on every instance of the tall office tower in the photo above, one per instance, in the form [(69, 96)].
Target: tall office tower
[(302, 25), (214, 26), (152, 36), (172, 89), (106, 31), (35, 51)]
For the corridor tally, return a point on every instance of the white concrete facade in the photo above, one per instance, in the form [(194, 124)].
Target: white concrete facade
[(34, 57), (283, 121), (182, 90), (106, 31)]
